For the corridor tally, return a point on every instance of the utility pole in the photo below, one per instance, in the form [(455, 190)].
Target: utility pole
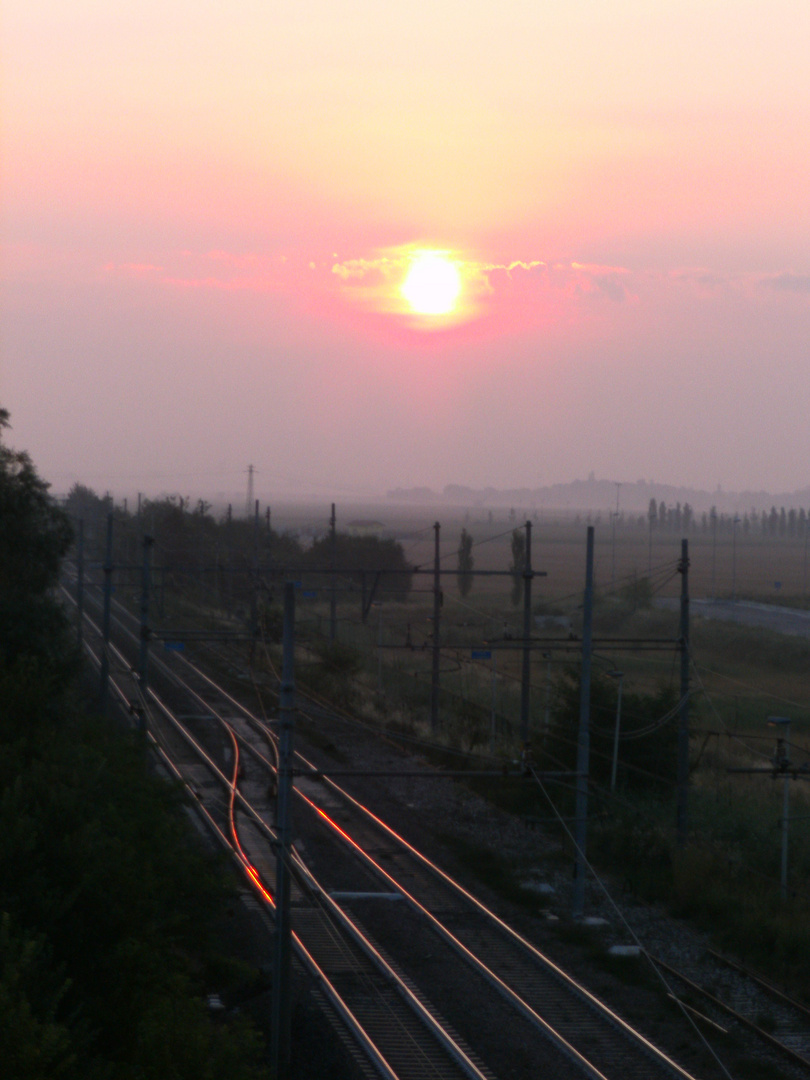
[(249, 503), (682, 828), (494, 716), (782, 761), (229, 556), (614, 520), (714, 553), (80, 585), (619, 675), (379, 649), (547, 710), (437, 606), (584, 737), (525, 684), (143, 665), (781, 766), (333, 563), (254, 596), (105, 618), (280, 999)]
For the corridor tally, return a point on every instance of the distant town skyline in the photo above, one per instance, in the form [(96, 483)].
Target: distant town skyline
[(591, 495)]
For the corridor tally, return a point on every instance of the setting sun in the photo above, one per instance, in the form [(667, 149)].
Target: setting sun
[(432, 284)]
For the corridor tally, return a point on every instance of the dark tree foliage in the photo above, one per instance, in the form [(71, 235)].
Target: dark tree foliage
[(178, 532), (466, 562), (186, 540), (34, 536), (35, 1044), (239, 540), (637, 593), (97, 862), (647, 748), (106, 906), (83, 504), (356, 554)]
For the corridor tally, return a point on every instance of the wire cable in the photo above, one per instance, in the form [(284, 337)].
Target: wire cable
[(620, 914)]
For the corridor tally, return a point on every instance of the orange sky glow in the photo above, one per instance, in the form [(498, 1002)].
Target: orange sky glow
[(209, 219)]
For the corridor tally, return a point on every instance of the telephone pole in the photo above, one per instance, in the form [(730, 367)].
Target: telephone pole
[(80, 585), (280, 995), (254, 596), (143, 664), (105, 618), (614, 520), (683, 721), (525, 683), (249, 503), (332, 564), (584, 738), (437, 606)]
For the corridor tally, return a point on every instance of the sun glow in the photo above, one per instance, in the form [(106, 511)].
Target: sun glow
[(432, 284)]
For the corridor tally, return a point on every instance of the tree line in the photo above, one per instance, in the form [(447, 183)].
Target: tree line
[(108, 910), (682, 519), (190, 541)]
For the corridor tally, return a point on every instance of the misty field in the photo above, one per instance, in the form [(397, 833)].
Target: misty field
[(740, 674), (378, 669), (764, 568)]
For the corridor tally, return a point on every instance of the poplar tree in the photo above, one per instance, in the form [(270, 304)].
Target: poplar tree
[(466, 562)]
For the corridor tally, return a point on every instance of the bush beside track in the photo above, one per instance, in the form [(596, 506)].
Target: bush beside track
[(107, 912)]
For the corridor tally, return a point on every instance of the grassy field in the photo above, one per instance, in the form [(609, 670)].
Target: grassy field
[(742, 675), (727, 878)]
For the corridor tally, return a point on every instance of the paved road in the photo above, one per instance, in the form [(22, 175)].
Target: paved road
[(785, 620)]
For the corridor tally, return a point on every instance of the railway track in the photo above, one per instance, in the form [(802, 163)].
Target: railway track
[(740, 997), (393, 1026), (364, 896)]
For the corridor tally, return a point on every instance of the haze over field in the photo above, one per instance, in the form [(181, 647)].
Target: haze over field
[(213, 219)]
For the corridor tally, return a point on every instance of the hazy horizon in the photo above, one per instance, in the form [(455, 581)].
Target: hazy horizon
[(209, 222), (589, 496)]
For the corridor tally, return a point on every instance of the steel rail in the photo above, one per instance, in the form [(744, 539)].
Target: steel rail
[(767, 986), (494, 980), (598, 1006), (523, 1007), (526, 945), (540, 957), (432, 1025), (506, 991), (766, 1036)]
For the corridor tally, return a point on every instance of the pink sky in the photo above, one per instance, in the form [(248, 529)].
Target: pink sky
[(207, 211)]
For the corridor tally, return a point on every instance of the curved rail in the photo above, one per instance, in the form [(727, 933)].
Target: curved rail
[(526, 1009), (430, 1022)]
